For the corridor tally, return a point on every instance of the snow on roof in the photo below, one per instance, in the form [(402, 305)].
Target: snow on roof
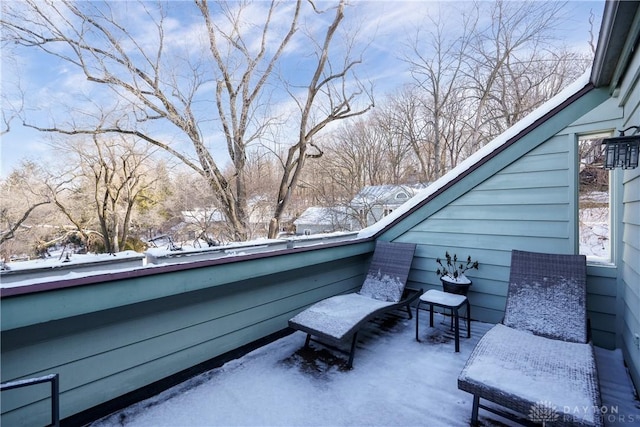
[(202, 215), (377, 193), (479, 155), (72, 266), (72, 259), (320, 215)]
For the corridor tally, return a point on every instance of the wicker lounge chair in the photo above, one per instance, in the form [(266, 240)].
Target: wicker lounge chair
[(337, 319), (538, 365)]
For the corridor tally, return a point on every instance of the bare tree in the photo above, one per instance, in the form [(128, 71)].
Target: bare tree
[(164, 87), (326, 98), (409, 122), (21, 194), (512, 67), (103, 185), (493, 69), (191, 215), (437, 67)]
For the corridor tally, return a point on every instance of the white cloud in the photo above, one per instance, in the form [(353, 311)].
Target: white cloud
[(383, 30)]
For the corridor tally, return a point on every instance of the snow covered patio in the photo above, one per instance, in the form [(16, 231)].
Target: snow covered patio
[(395, 381)]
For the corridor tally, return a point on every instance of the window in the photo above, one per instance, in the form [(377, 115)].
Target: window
[(594, 200)]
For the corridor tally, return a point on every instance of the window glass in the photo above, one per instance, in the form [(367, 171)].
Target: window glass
[(594, 200)]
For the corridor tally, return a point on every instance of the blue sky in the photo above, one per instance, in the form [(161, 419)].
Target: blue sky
[(49, 85)]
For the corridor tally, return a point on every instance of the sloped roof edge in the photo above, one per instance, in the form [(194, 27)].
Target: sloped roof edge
[(618, 35), (532, 121)]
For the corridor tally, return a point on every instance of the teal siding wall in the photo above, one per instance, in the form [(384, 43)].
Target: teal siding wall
[(172, 322), (528, 205), (629, 254), (523, 206), (603, 304), (524, 198)]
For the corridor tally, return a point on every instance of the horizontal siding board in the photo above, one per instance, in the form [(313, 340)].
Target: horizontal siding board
[(534, 196), (601, 304), (630, 257), (486, 315), (530, 212), (504, 243), (538, 179), (425, 271), (631, 215), (598, 286), (603, 322), (631, 238), (537, 163), (630, 193), (36, 414), (517, 228), (555, 144), (602, 271), (631, 300)]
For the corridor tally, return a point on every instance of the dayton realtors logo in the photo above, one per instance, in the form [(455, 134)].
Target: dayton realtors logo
[(543, 412), (546, 412)]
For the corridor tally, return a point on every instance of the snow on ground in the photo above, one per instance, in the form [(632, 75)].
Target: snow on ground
[(396, 381), (594, 233)]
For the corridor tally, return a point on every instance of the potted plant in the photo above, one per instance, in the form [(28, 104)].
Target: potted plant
[(451, 272)]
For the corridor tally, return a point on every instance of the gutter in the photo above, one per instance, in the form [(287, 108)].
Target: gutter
[(619, 35)]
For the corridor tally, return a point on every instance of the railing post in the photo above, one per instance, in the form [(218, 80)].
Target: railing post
[(55, 392), (55, 400)]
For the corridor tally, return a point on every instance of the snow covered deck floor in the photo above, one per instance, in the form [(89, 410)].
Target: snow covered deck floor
[(396, 381)]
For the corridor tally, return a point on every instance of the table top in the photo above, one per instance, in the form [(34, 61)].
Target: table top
[(447, 299)]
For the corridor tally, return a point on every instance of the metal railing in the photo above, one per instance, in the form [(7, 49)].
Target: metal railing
[(55, 392)]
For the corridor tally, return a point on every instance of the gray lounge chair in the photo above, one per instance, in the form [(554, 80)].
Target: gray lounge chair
[(538, 366), (337, 319)]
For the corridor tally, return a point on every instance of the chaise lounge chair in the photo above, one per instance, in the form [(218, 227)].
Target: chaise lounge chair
[(337, 319), (538, 366)]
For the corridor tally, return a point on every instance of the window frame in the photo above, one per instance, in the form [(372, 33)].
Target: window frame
[(613, 177)]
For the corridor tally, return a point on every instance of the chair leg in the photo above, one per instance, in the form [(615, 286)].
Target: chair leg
[(451, 318), (431, 315), (353, 351), (474, 410), (468, 319), (456, 329), (306, 342), (408, 306), (417, 320)]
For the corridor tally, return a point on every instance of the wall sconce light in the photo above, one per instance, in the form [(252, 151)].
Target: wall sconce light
[(622, 151)]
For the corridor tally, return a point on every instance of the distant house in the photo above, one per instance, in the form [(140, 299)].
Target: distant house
[(371, 204), (318, 219), (374, 202), (213, 220), (202, 216)]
